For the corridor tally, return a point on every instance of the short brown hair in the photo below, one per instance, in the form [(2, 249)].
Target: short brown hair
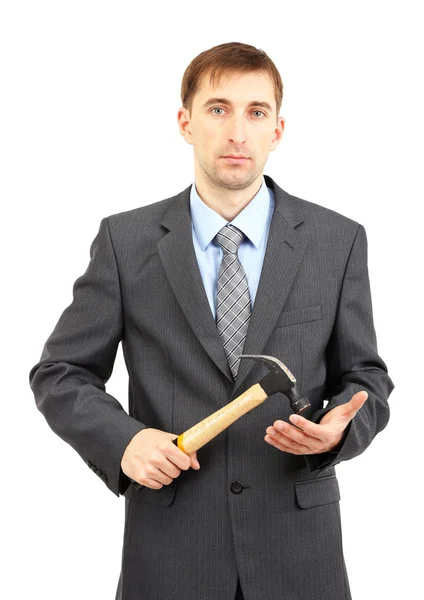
[(223, 60)]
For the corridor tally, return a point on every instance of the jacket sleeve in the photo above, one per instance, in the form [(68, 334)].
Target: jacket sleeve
[(76, 362), (353, 363)]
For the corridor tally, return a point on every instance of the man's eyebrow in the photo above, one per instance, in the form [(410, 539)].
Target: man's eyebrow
[(228, 102)]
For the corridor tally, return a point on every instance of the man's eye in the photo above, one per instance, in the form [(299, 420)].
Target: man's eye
[(220, 108)]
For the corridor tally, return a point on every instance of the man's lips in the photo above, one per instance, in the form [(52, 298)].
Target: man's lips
[(235, 159)]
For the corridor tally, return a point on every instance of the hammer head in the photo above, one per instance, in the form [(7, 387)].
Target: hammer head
[(280, 379)]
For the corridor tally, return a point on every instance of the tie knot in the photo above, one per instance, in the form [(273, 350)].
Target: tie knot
[(229, 238)]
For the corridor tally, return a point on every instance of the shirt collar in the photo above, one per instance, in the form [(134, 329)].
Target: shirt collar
[(251, 220)]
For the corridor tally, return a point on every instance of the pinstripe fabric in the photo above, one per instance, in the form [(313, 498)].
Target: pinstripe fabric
[(233, 308), (268, 517)]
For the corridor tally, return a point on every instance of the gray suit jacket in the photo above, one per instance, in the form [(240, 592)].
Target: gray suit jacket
[(269, 516)]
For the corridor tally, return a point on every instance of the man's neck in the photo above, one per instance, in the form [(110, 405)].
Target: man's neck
[(225, 202)]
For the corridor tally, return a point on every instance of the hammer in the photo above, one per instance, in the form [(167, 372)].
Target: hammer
[(279, 379)]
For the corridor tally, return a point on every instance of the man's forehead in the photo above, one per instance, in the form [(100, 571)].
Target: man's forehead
[(256, 87)]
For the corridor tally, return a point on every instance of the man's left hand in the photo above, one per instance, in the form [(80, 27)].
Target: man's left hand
[(314, 438)]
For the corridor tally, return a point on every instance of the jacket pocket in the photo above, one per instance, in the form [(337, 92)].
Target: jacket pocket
[(315, 492), (299, 315), (162, 497)]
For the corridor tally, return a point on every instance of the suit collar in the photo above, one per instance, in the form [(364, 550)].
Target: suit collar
[(251, 220), (288, 206)]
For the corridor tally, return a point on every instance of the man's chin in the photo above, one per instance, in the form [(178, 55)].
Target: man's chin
[(235, 180)]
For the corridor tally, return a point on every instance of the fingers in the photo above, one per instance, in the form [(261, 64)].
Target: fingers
[(165, 468), (285, 444), (151, 483), (154, 460), (166, 471), (159, 470), (173, 460), (290, 439), (175, 455), (180, 457), (308, 427)]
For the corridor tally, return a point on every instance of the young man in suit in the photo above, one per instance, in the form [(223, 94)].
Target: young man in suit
[(233, 264)]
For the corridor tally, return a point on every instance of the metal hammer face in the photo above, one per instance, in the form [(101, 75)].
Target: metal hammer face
[(280, 379)]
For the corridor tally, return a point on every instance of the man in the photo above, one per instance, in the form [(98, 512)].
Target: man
[(231, 264)]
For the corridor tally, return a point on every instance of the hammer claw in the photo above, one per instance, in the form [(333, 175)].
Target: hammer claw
[(280, 379)]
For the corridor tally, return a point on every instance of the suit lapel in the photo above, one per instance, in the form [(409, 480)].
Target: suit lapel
[(179, 260), (284, 252)]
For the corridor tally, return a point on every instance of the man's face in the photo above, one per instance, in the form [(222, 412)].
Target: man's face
[(236, 117)]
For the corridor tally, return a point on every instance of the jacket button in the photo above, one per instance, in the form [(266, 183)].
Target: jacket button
[(236, 487)]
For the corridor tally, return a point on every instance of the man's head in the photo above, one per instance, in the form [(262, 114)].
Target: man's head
[(231, 96)]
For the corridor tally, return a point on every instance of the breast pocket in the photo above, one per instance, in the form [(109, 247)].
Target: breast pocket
[(299, 315), (294, 338)]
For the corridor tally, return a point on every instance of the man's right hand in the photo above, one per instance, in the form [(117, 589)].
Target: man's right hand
[(153, 460)]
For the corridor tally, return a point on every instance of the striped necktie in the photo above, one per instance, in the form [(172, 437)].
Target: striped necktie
[(233, 308)]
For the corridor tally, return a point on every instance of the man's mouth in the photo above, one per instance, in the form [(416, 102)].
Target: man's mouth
[(234, 159)]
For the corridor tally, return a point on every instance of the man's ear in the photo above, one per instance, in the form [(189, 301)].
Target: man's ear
[(278, 134), (184, 124)]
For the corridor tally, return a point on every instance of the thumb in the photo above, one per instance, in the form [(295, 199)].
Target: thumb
[(344, 413), (357, 401), (194, 462)]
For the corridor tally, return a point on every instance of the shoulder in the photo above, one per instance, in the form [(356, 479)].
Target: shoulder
[(142, 225), (316, 217), (330, 233), (324, 215), (325, 224), (143, 216)]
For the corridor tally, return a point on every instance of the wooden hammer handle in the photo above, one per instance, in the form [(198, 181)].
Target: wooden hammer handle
[(201, 433)]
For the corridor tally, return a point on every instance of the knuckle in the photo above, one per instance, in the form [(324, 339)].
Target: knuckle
[(150, 471), (156, 459), (164, 477), (132, 465)]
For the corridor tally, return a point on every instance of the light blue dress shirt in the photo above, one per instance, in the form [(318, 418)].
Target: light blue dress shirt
[(254, 221)]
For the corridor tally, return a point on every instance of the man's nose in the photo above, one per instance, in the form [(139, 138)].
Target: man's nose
[(237, 130)]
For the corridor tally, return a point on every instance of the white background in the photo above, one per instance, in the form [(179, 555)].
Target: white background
[(89, 100)]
